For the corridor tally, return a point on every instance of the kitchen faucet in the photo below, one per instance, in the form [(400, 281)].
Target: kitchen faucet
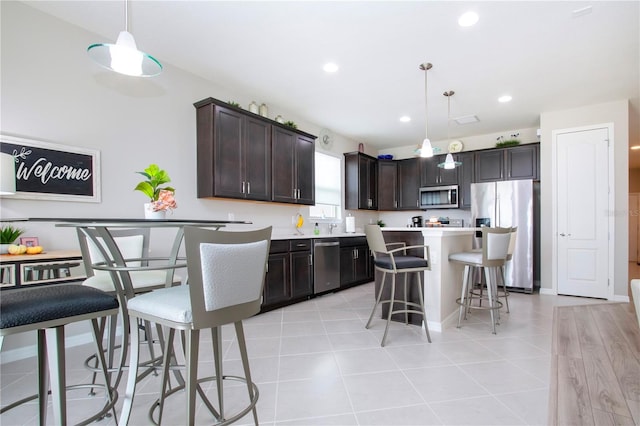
[(331, 226)]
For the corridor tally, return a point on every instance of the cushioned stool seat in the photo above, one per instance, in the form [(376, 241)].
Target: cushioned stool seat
[(48, 309)]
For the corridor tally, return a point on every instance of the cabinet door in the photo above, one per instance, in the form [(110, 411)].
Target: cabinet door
[(446, 177), (408, 184), (305, 171), (276, 282), (465, 177), (228, 154), (522, 162), (283, 165), (346, 266), (301, 274), (429, 175), (387, 185), (372, 183), (489, 165), (257, 164), (361, 263)]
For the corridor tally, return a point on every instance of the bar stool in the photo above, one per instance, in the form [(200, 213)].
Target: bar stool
[(48, 309), (226, 276), (396, 261), (495, 245)]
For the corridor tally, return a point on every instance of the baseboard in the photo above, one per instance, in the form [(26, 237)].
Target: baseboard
[(548, 291), (620, 298)]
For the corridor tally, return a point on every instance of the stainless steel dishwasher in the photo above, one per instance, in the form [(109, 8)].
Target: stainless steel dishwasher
[(326, 264)]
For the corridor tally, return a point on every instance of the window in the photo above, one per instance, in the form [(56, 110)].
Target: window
[(328, 188)]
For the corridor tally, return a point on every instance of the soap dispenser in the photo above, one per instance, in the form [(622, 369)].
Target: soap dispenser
[(316, 230)]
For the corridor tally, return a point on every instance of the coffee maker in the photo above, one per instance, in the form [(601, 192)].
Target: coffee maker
[(416, 221)]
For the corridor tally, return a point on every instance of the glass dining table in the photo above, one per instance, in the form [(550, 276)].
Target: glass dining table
[(102, 232)]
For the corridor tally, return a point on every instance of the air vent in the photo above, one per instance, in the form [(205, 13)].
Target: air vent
[(466, 119)]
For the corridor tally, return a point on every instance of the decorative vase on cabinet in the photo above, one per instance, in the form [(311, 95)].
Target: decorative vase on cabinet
[(150, 214)]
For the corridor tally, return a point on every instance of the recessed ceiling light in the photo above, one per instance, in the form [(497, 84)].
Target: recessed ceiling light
[(635, 147), (330, 67), (468, 19), (405, 119), (505, 98)]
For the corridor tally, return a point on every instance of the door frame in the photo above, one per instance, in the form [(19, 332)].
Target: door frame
[(610, 204)]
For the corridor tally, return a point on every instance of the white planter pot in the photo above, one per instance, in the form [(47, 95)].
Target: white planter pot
[(4, 248), (150, 214)]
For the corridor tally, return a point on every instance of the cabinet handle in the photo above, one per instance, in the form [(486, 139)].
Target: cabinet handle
[(310, 260), (243, 187), (294, 194), (298, 193), (248, 187), (395, 204)]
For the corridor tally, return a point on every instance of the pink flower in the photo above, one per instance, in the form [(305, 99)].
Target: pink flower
[(165, 201)]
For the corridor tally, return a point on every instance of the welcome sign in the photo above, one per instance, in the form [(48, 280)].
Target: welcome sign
[(47, 171)]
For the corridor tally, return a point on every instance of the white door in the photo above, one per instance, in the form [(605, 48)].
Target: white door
[(582, 206), (634, 237)]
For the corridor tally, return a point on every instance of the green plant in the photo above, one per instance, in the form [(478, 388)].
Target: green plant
[(290, 124), (8, 234), (381, 224), (233, 103), (504, 144), (155, 177)]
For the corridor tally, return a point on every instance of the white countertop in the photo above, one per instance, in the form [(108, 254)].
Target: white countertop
[(293, 236), (432, 229)]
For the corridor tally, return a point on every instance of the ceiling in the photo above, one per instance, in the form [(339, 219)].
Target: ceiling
[(540, 53)]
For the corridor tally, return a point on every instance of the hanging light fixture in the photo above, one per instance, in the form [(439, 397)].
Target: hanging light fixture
[(426, 150), (448, 162), (124, 56)]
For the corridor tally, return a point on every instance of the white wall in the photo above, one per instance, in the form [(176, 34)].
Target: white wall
[(52, 91), (57, 94), (612, 112)]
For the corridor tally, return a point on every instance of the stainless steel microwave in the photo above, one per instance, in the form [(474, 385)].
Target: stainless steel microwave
[(439, 197)]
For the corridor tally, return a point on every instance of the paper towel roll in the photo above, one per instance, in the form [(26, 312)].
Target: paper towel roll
[(350, 224)]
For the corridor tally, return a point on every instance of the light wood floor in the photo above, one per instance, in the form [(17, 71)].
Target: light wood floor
[(595, 366)]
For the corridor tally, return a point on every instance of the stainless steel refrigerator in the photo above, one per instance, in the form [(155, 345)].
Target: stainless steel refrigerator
[(507, 204)]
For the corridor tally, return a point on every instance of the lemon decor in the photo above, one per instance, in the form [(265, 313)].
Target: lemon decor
[(299, 223), (161, 198)]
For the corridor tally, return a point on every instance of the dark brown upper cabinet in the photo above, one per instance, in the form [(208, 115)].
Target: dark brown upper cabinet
[(512, 163), (236, 156), (387, 185), (293, 167), (361, 181), (432, 175)]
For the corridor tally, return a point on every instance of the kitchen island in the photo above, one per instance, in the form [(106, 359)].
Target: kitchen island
[(443, 283)]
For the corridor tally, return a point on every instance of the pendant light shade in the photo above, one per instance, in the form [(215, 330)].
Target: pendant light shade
[(124, 57), (7, 174), (449, 163), (426, 150)]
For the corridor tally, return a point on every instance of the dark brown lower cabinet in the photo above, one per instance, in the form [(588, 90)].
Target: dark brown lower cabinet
[(289, 275), (356, 264)]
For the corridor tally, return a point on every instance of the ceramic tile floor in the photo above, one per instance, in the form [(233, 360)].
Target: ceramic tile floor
[(316, 364)]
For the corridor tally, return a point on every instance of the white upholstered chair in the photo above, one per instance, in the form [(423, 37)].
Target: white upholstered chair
[(226, 277), (495, 246)]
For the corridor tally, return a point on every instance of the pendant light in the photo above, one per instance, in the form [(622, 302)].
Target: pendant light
[(124, 56), (448, 162), (426, 150)]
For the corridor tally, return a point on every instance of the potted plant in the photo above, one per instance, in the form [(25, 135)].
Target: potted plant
[(160, 198), (8, 235)]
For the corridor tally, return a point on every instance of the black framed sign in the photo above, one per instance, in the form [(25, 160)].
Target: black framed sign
[(47, 171)]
